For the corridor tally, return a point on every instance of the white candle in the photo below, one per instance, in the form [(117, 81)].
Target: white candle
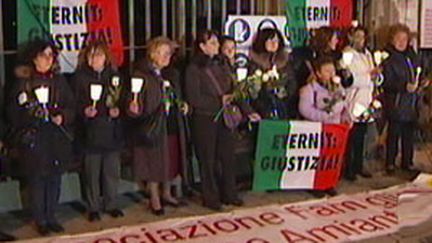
[(137, 84), (42, 95), (241, 74), (347, 58), (359, 109), (95, 93), (418, 72), (378, 57)]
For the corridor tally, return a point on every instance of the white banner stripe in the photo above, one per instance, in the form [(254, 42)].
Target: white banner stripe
[(301, 178)]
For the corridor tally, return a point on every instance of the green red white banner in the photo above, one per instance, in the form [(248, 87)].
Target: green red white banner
[(304, 15), (70, 24), (344, 218), (299, 155)]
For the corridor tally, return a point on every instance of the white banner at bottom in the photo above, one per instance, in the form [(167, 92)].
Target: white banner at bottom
[(339, 219)]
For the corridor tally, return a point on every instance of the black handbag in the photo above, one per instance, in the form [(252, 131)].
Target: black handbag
[(150, 129)]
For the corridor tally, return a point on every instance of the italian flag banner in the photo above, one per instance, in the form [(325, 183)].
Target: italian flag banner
[(71, 24), (299, 155), (304, 15)]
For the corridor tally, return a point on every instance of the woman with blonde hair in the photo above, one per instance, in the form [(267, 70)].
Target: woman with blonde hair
[(159, 158), (101, 135)]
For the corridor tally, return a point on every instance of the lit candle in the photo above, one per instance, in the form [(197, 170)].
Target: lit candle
[(347, 58), (137, 84), (241, 74), (95, 93), (42, 95)]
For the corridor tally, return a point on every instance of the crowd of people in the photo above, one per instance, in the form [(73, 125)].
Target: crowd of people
[(161, 113)]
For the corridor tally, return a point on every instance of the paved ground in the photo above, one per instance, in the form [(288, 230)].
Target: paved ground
[(135, 207)]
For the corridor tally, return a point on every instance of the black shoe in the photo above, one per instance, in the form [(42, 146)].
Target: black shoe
[(56, 227), (116, 213), (6, 237), (214, 207), (235, 202), (410, 168), (317, 194), (390, 169), (365, 174), (350, 177), (331, 192), (42, 229), (157, 212), (94, 216), (177, 204)]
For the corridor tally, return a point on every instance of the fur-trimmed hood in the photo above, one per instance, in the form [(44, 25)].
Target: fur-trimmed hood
[(263, 60)]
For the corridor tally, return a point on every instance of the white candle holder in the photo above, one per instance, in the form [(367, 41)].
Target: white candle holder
[(95, 93), (137, 85)]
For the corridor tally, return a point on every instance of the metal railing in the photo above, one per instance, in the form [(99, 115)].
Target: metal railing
[(179, 20)]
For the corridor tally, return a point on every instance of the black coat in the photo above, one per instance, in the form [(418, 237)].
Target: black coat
[(101, 133), (399, 104), (152, 161), (44, 148)]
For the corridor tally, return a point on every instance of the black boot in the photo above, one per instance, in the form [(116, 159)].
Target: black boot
[(6, 237)]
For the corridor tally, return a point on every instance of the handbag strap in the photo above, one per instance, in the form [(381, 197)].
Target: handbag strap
[(214, 82)]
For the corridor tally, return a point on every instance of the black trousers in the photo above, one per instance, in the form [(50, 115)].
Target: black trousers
[(404, 131), (355, 156), (44, 195), (214, 145), (102, 171)]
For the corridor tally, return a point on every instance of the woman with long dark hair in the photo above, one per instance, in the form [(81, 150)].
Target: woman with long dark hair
[(209, 88), (268, 52), (41, 110)]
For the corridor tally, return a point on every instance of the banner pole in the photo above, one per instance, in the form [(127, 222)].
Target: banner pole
[(131, 33)]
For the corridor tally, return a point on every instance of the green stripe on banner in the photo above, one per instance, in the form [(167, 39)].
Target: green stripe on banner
[(296, 22), (33, 20), (269, 153)]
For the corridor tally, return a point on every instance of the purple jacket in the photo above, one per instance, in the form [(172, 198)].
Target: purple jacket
[(314, 99)]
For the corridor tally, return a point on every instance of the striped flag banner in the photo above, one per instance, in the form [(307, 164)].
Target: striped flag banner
[(299, 155), (304, 15), (70, 24)]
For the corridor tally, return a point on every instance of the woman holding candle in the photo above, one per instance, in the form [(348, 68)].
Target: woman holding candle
[(208, 89), (41, 110), (359, 61), (160, 158), (268, 52), (98, 87), (402, 81)]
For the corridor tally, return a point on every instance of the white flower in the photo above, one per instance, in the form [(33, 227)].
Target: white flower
[(115, 81), (265, 78), (22, 98), (376, 104), (273, 73), (166, 84), (258, 73), (337, 80), (358, 109)]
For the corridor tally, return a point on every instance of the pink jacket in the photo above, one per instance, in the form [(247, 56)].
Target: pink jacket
[(314, 99)]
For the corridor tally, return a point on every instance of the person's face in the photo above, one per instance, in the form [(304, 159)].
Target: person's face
[(400, 41), (44, 60), (161, 57), (326, 72), (359, 39), (228, 49), (333, 42), (272, 45), (211, 47), (96, 59)]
